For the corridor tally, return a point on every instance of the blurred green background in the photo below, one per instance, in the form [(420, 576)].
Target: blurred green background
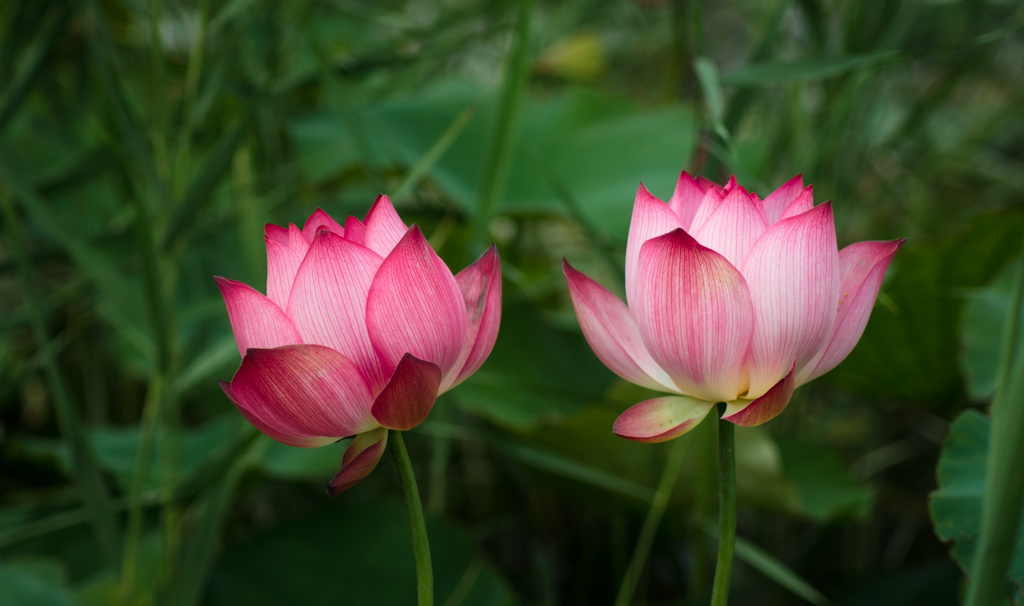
[(144, 144)]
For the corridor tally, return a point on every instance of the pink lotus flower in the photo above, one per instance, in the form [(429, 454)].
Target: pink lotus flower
[(730, 299), (361, 328)]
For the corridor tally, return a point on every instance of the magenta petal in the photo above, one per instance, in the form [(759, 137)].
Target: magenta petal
[(780, 198), (694, 314), (707, 184), (416, 306), (360, 458), (408, 397), (686, 199), (384, 228), (661, 419), (274, 432), (256, 320), (481, 290), (651, 218), (328, 301), (801, 204), (355, 231), (612, 333), (712, 199), (791, 272), (765, 408), (320, 220), (282, 264), (303, 390), (734, 226), (730, 185), (861, 269)]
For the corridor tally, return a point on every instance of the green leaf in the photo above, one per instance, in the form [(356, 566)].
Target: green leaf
[(33, 584), (957, 504), (981, 333), (768, 74), (826, 488)]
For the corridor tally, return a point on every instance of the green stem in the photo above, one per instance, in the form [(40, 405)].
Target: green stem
[(726, 509), (654, 515), (417, 525), (1004, 482)]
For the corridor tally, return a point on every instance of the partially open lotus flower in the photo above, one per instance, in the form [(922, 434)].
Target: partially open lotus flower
[(362, 326), (730, 299)]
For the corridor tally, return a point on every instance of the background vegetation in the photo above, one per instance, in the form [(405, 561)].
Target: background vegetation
[(144, 143)]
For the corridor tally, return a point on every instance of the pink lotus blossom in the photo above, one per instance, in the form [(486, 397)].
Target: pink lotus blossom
[(362, 326), (730, 299)]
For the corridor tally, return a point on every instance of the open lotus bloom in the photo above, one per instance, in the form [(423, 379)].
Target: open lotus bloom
[(730, 299), (362, 326)]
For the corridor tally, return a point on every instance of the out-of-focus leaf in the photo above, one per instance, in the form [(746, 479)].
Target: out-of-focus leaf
[(981, 334), (768, 74), (597, 147), (516, 386), (116, 448), (825, 487), (956, 505), (288, 462), (356, 554), (36, 583), (910, 347)]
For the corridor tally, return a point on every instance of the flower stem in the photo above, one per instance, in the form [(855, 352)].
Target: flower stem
[(417, 525), (726, 509)]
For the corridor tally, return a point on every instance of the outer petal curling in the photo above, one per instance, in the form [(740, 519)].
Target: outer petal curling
[(256, 320), (415, 306), (304, 390), (694, 314), (791, 271), (328, 301), (360, 458), (651, 218), (384, 228), (408, 397), (320, 220), (861, 269), (612, 333), (782, 197), (661, 419), (686, 199), (481, 290), (273, 432), (748, 413), (733, 227)]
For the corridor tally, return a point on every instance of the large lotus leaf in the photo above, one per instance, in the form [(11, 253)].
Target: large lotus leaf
[(956, 505)]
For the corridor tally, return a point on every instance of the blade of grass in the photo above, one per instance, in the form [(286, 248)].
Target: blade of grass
[(435, 153), (183, 151), (654, 514), (209, 176), (771, 567), (34, 65), (197, 556), (546, 460), (1004, 483), (498, 160), (87, 475)]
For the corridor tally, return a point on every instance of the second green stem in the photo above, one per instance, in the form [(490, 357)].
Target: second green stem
[(726, 509)]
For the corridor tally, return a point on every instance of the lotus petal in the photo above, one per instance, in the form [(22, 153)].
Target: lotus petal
[(481, 290), (408, 397), (384, 228), (733, 227), (781, 198), (765, 408), (360, 458), (661, 419), (651, 218), (256, 320)]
